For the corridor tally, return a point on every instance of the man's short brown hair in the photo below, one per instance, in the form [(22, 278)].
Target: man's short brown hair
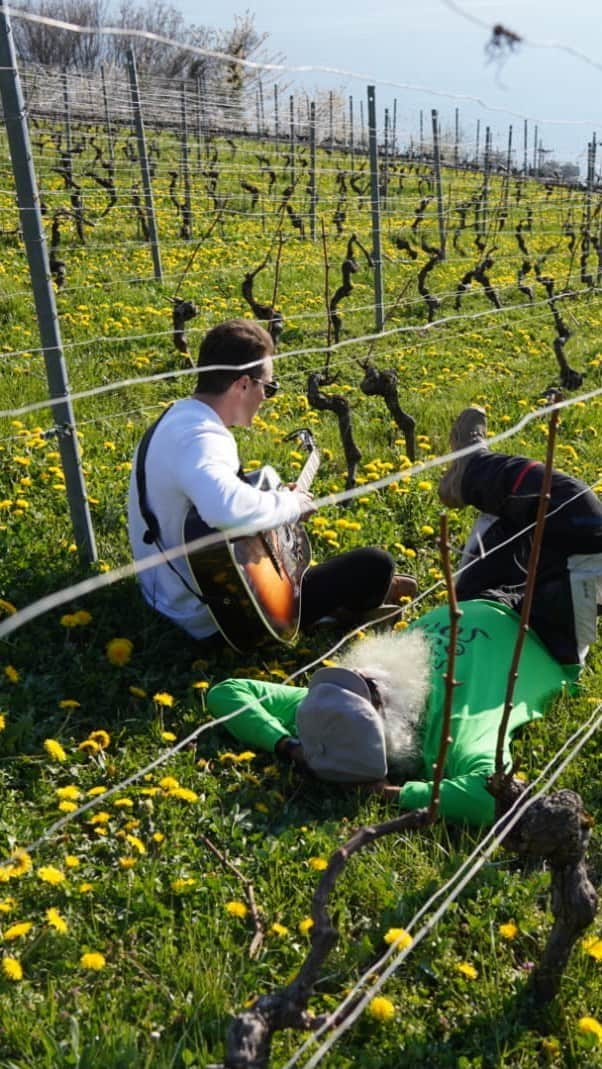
[(235, 343)]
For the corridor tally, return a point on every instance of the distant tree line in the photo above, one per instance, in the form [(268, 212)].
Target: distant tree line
[(45, 46)]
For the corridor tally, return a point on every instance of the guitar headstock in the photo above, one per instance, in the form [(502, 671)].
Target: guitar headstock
[(305, 437)]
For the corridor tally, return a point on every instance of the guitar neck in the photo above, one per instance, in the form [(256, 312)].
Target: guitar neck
[(310, 468)]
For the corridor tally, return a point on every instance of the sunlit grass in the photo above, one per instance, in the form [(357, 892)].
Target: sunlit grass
[(120, 946)]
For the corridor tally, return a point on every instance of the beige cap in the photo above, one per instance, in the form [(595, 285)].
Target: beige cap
[(341, 732)]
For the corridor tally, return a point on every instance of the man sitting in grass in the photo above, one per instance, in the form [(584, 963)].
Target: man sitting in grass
[(376, 718)]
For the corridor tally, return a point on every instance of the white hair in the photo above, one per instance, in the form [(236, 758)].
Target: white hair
[(399, 664)]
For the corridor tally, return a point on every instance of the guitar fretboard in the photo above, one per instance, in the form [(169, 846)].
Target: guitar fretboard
[(310, 468)]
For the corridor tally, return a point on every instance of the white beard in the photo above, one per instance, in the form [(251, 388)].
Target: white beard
[(399, 664)]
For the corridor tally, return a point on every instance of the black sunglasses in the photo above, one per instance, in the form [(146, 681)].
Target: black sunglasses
[(270, 389)]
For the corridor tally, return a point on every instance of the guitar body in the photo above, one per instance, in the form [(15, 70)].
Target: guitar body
[(252, 584)]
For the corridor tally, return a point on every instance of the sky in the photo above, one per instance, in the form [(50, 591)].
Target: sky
[(429, 44)]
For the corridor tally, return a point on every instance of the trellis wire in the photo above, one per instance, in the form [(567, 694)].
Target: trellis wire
[(86, 586), (428, 927), (500, 830), (308, 666), (254, 65), (307, 351)]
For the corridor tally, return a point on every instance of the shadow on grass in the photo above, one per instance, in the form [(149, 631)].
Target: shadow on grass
[(484, 1042)]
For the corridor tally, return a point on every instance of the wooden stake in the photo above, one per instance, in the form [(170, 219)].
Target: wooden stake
[(544, 500), (455, 613)]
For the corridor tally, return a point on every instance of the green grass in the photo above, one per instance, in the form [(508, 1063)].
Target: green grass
[(176, 962)]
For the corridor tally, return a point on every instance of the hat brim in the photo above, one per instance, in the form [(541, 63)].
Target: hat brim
[(341, 677)]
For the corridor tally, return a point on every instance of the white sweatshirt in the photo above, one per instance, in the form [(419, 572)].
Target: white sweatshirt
[(193, 459)]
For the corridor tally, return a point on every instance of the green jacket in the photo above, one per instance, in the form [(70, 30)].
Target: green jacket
[(486, 640)]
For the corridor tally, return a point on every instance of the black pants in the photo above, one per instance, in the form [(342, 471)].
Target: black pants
[(508, 487), (356, 581)]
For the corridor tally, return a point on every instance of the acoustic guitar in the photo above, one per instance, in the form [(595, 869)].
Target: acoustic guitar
[(252, 584)]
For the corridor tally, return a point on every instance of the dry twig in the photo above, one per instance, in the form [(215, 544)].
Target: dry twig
[(455, 614), (257, 939), (544, 499)]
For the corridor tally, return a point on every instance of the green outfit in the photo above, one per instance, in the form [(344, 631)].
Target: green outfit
[(486, 639)]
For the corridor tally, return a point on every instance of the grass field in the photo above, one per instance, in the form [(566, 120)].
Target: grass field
[(123, 940)]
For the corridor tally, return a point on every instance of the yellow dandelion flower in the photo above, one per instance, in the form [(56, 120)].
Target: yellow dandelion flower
[(588, 1025), (381, 1009), (2, 721), (127, 862), (279, 673), (550, 1045), (12, 674), (93, 961), (95, 791), (508, 930), (71, 792), (425, 484), (164, 699), (158, 837), (119, 651), (227, 757), (182, 883), (168, 736), (236, 909), (201, 685), (101, 817), (17, 930), (54, 750), (56, 921), (6, 904), (20, 863), (69, 703), (7, 607), (593, 946), (426, 529), (467, 970), (85, 888), (184, 794), (137, 843), (305, 925), (169, 783), (101, 738), (122, 803), (137, 692), (279, 929), (399, 937), (318, 864), (12, 969), (71, 861), (50, 874), (246, 755), (68, 620), (83, 617), (67, 807), (89, 746)]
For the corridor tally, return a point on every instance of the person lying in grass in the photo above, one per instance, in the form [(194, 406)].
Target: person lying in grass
[(376, 717)]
